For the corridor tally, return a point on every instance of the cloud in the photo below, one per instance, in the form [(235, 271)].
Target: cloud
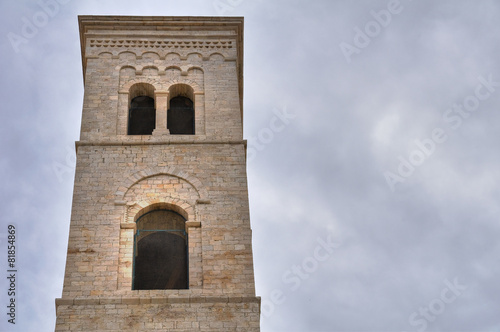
[(322, 174)]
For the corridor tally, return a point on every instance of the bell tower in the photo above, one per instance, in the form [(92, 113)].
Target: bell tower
[(160, 236)]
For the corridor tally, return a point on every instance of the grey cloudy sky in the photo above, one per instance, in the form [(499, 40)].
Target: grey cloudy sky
[(374, 128)]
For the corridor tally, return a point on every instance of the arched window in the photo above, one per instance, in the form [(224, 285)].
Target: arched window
[(142, 116), (142, 113), (160, 251), (180, 115)]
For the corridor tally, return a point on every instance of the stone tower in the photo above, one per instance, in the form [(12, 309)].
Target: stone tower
[(160, 236)]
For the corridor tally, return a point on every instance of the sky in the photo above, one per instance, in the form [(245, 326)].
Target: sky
[(373, 133)]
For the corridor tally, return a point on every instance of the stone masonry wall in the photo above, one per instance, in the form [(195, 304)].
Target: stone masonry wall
[(138, 315), (212, 76), (96, 231)]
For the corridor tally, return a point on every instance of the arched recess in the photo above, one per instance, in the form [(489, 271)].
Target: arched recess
[(149, 70), (173, 67), (160, 249), (138, 195), (142, 110), (127, 73), (151, 55), (173, 72), (172, 57), (181, 111), (194, 57), (217, 57), (189, 97), (196, 70), (127, 55), (131, 87), (105, 55)]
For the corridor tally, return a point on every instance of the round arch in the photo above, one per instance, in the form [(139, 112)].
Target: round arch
[(136, 177)]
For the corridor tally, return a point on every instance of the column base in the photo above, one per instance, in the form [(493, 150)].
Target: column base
[(161, 132)]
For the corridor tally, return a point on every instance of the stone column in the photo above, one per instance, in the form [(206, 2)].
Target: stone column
[(161, 100)]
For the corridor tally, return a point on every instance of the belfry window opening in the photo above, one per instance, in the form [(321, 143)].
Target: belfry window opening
[(181, 113), (160, 251), (142, 112)]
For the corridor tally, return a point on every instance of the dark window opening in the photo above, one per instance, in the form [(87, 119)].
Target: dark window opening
[(180, 116), (141, 116), (160, 252)]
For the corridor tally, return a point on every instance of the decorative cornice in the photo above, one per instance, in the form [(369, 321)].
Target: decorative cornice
[(159, 44), (173, 141)]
